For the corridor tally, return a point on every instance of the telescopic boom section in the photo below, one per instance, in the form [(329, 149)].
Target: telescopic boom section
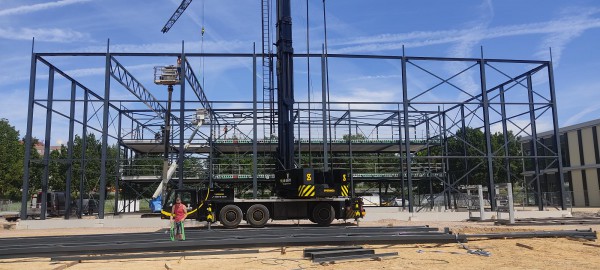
[(285, 85), (184, 4)]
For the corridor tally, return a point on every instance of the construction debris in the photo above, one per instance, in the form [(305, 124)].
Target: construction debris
[(525, 246), (333, 254), (551, 221), (580, 234)]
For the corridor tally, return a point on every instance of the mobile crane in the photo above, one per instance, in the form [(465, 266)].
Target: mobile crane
[(302, 193)]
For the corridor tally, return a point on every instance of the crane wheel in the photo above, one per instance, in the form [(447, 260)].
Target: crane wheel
[(257, 215), (323, 214), (230, 216)]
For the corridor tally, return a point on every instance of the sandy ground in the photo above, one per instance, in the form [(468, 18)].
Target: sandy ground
[(555, 253)]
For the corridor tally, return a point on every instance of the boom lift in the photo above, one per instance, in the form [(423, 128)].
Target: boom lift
[(169, 75), (302, 193)]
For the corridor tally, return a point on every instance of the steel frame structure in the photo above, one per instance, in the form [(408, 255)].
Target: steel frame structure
[(386, 128)]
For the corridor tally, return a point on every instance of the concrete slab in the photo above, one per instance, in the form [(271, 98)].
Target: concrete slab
[(95, 223), (396, 213), (373, 214)]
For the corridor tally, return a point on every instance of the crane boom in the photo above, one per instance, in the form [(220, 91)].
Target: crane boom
[(184, 4)]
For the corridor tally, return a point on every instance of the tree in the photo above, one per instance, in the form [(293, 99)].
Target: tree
[(11, 161), (59, 165), (473, 144), (12, 154)]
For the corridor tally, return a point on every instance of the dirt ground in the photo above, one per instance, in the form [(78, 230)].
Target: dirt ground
[(549, 253)]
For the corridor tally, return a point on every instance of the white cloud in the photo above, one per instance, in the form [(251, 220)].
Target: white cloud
[(385, 42), (233, 45), (559, 40), (374, 77), (83, 72), (360, 94), (581, 114), (43, 34), (39, 7)]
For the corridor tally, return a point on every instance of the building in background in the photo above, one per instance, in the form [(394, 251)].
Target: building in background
[(40, 147), (580, 158)]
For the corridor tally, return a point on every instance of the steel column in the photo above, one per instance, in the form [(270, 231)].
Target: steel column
[(211, 144), (324, 111), (505, 133), (557, 136), (405, 103), (534, 143), (464, 139), (181, 156), (350, 151), (104, 133), (28, 135), (70, 146), (255, 128), (446, 161), (166, 144), (47, 140), (427, 131), (401, 171), (488, 135), (118, 173), (83, 153)]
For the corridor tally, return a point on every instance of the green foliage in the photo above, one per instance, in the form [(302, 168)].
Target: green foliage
[(11, 161), (60, 163), (12, 154), (473, 143)]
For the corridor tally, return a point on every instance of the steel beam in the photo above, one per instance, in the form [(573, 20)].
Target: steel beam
[(342, 117), (125, 78), (195, 84), (387, 119)]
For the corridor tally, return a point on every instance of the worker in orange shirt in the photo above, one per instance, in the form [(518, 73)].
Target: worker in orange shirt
[(178, 215), (179, 67)]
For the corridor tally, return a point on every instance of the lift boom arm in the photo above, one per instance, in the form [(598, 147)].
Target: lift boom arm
[(173, 166)]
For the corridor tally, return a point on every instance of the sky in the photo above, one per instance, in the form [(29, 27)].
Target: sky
[(510, 29)]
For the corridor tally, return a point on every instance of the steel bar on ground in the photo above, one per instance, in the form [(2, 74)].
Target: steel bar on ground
[(354, 257), (586, 234), (105, 257), (219, 239), (550, 221), (308, 251), (340, 253)]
